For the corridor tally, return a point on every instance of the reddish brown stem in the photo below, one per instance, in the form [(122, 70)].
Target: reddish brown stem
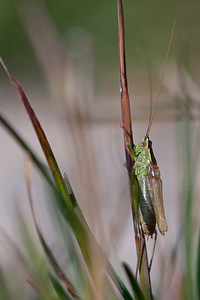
[(125, 103), (126, 121)]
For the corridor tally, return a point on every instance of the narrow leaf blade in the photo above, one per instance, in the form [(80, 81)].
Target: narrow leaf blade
[(52, 260), (68, 209), (134, 284), (67, 214), (119, 283), (198, 269), (58, 288), (41, 137)]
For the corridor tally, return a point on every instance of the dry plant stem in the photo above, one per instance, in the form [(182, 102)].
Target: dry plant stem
[(126, 121)]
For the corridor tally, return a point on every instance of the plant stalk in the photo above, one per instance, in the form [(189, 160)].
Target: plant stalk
[(126, 122)]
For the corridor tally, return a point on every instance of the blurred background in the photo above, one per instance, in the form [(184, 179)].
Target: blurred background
[(65, 55)]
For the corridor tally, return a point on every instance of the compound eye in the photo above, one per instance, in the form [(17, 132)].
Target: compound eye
[(142, 144)]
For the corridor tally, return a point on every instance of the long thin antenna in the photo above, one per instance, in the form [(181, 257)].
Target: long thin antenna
[(161, 82), (145, 48), (149, 69)]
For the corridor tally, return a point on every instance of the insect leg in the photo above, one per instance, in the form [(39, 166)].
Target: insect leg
[(139, 255), (135, 198), (154, 247)]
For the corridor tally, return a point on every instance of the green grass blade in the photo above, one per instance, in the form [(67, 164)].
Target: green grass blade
[(4, 292), (75, 203), (119, 284), (134, 284), (58, 288), (67, 214), (198, 269), (77, 271), (60, 274), (77, 227), (41, 137)]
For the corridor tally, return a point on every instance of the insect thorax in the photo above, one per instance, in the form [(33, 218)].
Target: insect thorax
[(141, 163)]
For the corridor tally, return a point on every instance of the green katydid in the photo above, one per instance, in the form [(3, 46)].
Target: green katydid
[(146, 184), (146, 189), (146, 173)]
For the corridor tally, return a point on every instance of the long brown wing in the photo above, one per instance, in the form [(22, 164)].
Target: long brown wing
[(156, 184)]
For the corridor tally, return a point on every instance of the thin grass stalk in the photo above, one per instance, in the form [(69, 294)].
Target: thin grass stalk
[(188, 165), (126, 122), (188, 197)]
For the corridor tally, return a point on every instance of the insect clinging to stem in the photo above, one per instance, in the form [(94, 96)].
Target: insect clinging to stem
[(146, 184)]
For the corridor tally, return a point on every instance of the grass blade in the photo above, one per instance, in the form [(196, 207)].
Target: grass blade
[(74, 201), (198, 269), (79, 231), (58, 288), (80, 277), (67, 214), (134, 284), (4, 292), (41, 137), (60, 274), (68, 208), (119, 284)]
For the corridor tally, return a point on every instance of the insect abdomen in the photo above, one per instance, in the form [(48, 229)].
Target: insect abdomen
[(147, 213)]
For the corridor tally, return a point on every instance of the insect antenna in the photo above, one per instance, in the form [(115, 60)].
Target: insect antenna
[(145, 48), (152, 115)]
